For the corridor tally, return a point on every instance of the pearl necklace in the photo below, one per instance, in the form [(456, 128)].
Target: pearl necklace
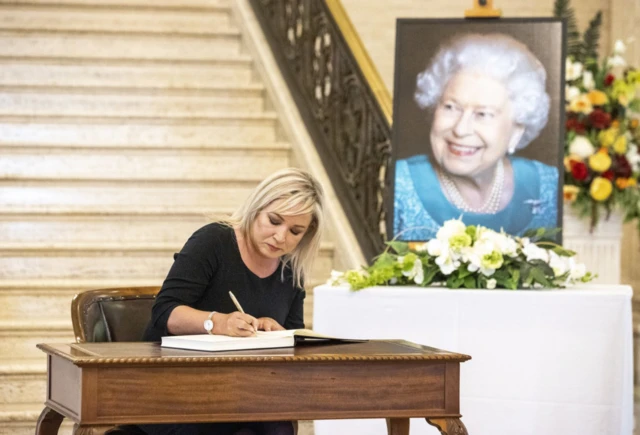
[(491, 205)]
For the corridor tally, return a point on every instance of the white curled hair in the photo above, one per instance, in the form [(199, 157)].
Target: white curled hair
[(501, 57)]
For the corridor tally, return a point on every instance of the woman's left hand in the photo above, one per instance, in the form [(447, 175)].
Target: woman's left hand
[(268, 324)]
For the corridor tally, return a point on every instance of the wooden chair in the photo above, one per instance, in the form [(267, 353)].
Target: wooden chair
[(112, 314), (115, 314)]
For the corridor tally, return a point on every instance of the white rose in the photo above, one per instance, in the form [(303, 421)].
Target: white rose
[(415, 270), (558, 264), (571, 93), (435, 247), (581, 146), (447, 264), (587, 81), (499, 242), (633, 157), (616, 61), (534, 252), (449, 229), (578, 270), (573, 70), (491, 283)]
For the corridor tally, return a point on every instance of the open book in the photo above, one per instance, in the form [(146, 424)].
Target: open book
[(263, 340)]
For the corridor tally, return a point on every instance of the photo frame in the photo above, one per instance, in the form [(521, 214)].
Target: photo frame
[(420, 204)]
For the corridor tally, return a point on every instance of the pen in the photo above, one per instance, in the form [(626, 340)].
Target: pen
[(236, 303)]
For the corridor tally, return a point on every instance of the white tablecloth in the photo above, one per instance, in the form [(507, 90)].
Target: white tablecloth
[(543, 362)]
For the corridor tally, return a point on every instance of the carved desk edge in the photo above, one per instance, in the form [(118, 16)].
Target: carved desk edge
[(215, 360)]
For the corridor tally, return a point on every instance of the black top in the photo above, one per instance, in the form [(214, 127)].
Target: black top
[(207, 268)]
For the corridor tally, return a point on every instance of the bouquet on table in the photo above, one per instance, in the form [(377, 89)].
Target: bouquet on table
[(602, 163), (471, 257)]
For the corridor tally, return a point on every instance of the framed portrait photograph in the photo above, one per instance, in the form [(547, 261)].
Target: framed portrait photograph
[(478, 125)]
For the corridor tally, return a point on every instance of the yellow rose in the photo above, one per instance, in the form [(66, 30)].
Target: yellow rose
[(631, 182), (597, 98), (600, 162), (570, 192), (608, 137), (581, 105), (620, 145), (600, 189)]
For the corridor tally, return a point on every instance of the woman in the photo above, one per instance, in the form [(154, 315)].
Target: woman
[(490, 100), (262, 254)]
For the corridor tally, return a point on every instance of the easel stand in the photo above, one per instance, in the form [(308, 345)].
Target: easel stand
[(482, 9)]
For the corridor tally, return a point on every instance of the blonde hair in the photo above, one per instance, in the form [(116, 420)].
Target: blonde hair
[(300, 194)]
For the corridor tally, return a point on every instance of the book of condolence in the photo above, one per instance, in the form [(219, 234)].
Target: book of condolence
[(262, 340)]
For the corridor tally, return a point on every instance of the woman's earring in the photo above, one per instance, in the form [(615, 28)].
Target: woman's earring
[(512, 150)]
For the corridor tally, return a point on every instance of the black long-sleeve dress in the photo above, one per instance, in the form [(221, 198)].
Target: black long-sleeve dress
[(204, 271)]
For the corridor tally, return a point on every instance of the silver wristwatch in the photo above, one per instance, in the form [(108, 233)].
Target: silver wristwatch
[(208, 324)]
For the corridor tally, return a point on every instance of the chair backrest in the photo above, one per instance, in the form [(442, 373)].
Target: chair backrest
[(112, 314)]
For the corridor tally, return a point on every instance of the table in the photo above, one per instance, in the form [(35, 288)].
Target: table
[(544, 362), (98, 385)]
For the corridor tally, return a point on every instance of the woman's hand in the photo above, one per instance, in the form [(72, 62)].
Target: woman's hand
[(268, 324), (235, 324)]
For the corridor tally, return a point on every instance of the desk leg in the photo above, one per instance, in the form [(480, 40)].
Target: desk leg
[(397, 426), (448, 426), (98, 429), (49, 422)]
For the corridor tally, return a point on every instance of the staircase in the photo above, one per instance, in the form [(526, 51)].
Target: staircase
[(124, 125)]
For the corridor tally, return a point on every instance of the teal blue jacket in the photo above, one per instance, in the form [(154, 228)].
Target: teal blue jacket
[(420, 206)]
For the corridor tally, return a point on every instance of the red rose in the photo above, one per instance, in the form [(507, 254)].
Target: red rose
[(575, 125), (621, 166), (608, 79), (608, 175), (579, 170), (600, 119)]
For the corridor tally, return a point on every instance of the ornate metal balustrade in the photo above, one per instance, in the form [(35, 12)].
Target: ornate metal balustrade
[(342, 114)]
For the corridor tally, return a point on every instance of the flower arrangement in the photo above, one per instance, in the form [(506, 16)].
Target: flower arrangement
[(602, 160), (471, 257)]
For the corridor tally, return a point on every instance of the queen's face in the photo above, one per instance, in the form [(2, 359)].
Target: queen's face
[(473, 126)]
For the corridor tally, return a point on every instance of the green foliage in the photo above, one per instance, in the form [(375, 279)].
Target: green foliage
[(563, 9), (583, 48), (489, 260), (591, 38)]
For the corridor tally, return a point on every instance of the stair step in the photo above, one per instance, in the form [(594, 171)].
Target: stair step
[(64, 286), (118, 45), (47, 303), (31, 300), (51, 230), (103, 262), (106, 73), (113, 18), (129, 102), (123, 197), (23, 381), (20, 341), (20, 419), (147, 4), (106, 131), (140, 164)]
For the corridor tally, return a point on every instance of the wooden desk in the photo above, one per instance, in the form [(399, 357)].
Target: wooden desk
[(98, 385)]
